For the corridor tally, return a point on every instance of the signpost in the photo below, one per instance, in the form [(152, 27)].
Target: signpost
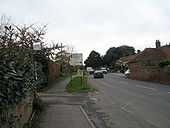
[(76, 59), (36, 46)]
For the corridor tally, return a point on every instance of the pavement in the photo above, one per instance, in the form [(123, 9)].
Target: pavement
[(64, 110)]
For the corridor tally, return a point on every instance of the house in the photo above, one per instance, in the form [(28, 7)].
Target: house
[(123, 62), (145, 65)]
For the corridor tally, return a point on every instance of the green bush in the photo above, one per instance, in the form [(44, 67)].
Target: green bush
[(164, 63)]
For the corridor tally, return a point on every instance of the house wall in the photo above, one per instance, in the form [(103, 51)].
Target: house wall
[(133, 71), (53, 71), (150, 71)]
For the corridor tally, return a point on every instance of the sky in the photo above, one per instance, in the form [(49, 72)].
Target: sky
[(95, 24)]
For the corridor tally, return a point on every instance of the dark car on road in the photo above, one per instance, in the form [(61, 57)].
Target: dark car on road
[(98, 74), (91, 72)]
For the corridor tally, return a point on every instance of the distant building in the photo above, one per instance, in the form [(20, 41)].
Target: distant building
[(123, 62)]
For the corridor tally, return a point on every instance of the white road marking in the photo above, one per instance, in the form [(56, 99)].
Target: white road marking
[(123, 82), (154, 124), (146, 87), (112, 102), (93, 99), (125, 109), (168, 92), (96, 92)]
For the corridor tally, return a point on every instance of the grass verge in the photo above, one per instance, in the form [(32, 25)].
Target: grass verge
[(75, 84)]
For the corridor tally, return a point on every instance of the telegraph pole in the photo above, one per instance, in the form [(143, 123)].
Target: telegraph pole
[(61, 70)]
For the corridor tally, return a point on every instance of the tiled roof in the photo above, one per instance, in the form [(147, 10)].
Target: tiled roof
[(153, 54), (166, 51), (126, 58)]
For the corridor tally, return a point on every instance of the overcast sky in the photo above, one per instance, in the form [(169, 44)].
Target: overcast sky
[(96, 24)]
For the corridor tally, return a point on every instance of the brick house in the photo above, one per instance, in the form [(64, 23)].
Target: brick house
[(145, 65)]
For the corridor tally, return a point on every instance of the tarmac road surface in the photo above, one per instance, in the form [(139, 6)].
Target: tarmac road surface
[(126, 103)]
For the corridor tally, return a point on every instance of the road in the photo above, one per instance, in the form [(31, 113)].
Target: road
[(126, 103)]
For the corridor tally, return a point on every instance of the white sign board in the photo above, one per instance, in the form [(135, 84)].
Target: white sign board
[(76, 59), (37, 45)]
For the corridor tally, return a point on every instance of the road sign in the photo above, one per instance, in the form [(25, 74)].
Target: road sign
[(37, 45), (76, 59)]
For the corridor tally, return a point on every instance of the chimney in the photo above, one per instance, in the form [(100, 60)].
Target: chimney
[(138, 51), (158, 44)]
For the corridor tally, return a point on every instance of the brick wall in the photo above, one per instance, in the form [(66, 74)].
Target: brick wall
[(133, 71), (19, 114), (154, 74), (150, 71)]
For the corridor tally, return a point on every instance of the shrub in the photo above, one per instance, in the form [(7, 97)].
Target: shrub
[(164, 63), (20, 75)]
